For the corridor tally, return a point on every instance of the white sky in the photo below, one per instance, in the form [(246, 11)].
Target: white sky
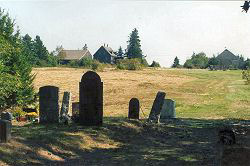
[(166, 28)]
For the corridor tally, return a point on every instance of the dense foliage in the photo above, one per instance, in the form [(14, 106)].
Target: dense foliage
[(15, 71), (197, 61), (37, 53), (129, 64)]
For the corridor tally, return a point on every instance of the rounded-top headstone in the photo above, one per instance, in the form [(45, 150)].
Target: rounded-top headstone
[(91, 76), (91, 99), (134, 109)]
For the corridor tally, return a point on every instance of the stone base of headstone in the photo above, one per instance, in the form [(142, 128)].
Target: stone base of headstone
[(5, 131), (168, 110)]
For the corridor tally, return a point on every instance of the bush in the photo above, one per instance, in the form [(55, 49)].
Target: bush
[(246, 75), (97, 66), (129, 64), (86, 62), (155, 64), (18, 112)]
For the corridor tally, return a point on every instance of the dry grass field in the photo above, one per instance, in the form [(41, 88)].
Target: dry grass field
[(206, 101), (198, 93)]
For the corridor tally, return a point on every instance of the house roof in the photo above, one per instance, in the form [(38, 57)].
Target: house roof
[(226, 54), (73, 54), (109, 50)]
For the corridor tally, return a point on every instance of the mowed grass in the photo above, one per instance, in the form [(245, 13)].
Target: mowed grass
[(205, 102)]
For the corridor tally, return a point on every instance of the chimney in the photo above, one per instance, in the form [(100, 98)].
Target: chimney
[(107, 45), (85, 47), (104, 44)]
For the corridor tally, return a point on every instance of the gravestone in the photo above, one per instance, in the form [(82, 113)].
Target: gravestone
[(5, 131), (154, 115), (75, 108), (66, 104), (48, 104), (168, 109), (134, 109), (6, 116), (66, 111), (91, 99)]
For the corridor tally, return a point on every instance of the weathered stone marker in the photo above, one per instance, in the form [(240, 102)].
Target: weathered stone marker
[(168, 109), (66, 104), (91, 99), (48, 104), (5, 131), (134, 109), (66, 111), (154, 115), (75, 108), (6, 116)]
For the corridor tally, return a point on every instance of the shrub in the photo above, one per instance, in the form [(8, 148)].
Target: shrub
[(129, 64), (18, 112), (97, 66), (86, 62), (246, 75), (155, 64)]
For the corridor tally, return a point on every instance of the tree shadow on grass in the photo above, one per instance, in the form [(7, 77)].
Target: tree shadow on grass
[(118, 142)]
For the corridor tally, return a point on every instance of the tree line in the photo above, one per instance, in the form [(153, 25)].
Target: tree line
[(219, 62)]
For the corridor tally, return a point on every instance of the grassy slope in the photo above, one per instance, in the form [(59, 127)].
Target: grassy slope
[(204, 100)]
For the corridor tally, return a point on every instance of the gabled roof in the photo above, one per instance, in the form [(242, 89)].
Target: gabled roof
[(109, 50), (73, 54), (226, 54)]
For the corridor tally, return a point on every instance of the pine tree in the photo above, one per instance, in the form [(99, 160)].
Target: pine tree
[(134, 46), (41, 51), (120, 52), (176, 62), (29, 50)]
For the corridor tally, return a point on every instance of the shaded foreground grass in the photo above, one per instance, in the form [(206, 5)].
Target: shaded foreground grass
[(118, 142)]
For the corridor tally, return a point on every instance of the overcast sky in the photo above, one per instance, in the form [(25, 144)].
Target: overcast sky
[(166, 28)]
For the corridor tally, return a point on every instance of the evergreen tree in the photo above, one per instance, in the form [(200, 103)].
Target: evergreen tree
[(29, 50), (176, 62), (15, 71), (40, 50), (120, 52), (134, 46)]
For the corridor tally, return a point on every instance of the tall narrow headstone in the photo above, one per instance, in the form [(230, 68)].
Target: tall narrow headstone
[(66, 104), (168, 109), (134, 109), (48, 104), (91, 99), (5, 131), (154, 115)]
